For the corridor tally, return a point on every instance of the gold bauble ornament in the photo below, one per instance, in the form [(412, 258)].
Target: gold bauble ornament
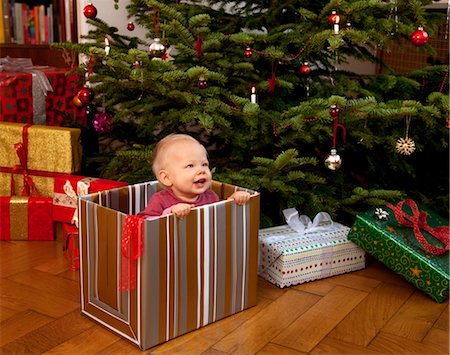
[(76, 101)]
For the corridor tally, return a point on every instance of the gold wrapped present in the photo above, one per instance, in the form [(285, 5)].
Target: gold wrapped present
[(26, 218), (40, 152)]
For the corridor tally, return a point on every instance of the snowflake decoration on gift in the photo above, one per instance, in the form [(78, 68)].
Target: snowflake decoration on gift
[(405, 146)]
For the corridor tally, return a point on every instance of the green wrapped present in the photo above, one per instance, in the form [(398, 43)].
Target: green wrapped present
[(414, 243)]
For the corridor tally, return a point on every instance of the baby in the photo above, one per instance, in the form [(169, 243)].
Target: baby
[(180, 163)]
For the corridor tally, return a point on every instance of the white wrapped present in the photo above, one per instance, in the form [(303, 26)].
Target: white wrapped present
[(305, 250)]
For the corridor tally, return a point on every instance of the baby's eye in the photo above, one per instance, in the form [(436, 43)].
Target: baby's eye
[(190, 166), (205, 164)]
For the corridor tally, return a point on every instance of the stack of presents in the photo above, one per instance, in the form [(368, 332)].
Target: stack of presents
[(153, 280), (39, 186), (38, 159)]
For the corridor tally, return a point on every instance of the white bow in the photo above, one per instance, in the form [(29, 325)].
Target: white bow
[(303, 224)]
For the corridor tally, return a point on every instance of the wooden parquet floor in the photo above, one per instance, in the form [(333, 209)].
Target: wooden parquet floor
[(372, 311)]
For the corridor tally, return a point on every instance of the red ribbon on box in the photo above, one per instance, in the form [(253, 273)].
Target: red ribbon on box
[(22, 152), (418, 221), (132, 248), (70, 245)]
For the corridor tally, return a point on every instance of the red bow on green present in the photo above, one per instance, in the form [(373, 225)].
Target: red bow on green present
[(418, 221)]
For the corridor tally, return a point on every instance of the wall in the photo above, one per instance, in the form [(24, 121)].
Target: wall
[(114, 18)]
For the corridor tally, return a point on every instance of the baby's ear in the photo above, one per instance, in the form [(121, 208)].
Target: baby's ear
[(164, 178)]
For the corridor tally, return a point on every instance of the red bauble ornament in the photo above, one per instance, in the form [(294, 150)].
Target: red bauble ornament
[(202, 83), (85, 95), (334, 18), (334, 111), (248, 52), (76, 101), (305, 69), (90, 11), (419, 37), (130, 26)]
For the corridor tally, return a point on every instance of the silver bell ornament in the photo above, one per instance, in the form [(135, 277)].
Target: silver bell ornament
[(156, 49), (333, 160)]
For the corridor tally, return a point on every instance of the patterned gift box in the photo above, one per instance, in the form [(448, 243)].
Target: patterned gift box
[(48, 152), (26, 218), (24, 99), (68, 188), (395, 245), (71, 249), (191, 272), (288, 256)]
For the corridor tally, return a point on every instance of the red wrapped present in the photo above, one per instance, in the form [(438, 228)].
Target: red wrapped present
[(68, 188), (71, 248), (26, 218), (39, 95)]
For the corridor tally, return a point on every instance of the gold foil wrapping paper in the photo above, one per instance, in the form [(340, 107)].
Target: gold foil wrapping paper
[(54, 149), (50, 149), (44, 185), (18, 212)]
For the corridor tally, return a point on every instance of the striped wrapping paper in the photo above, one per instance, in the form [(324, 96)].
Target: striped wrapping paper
[(192, 272), (288, 258)]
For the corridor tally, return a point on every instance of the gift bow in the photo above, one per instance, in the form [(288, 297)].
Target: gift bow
[(25, 64), (418, 221), (82, 189), (303, 224), (15, 64)]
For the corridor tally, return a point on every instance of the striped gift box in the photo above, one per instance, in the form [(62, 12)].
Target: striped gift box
[(287, 257), (192, 272)]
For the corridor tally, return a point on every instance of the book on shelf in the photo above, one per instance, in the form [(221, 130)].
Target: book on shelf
[(2, 24), (38, 21), (6, 16)]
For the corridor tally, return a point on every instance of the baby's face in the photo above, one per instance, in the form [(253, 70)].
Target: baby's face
[(187, 169)]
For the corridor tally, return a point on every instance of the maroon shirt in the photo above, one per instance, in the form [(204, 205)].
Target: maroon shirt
[(164, 199)]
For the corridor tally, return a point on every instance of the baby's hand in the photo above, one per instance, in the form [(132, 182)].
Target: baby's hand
[(181, 210), (240, 197)]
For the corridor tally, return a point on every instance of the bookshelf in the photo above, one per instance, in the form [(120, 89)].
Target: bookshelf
[(40, 54), (27, 28)]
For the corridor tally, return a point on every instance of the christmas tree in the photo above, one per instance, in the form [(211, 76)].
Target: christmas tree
[(261, 85)]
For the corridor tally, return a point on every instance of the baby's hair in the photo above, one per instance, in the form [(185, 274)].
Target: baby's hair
[(161, 147)]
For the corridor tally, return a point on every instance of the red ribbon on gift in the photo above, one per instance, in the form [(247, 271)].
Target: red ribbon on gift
[(132, 248), (29, 189), (418, 221)]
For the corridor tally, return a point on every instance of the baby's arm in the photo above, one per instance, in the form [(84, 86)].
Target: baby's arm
[(240, 197), (181, 210)]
